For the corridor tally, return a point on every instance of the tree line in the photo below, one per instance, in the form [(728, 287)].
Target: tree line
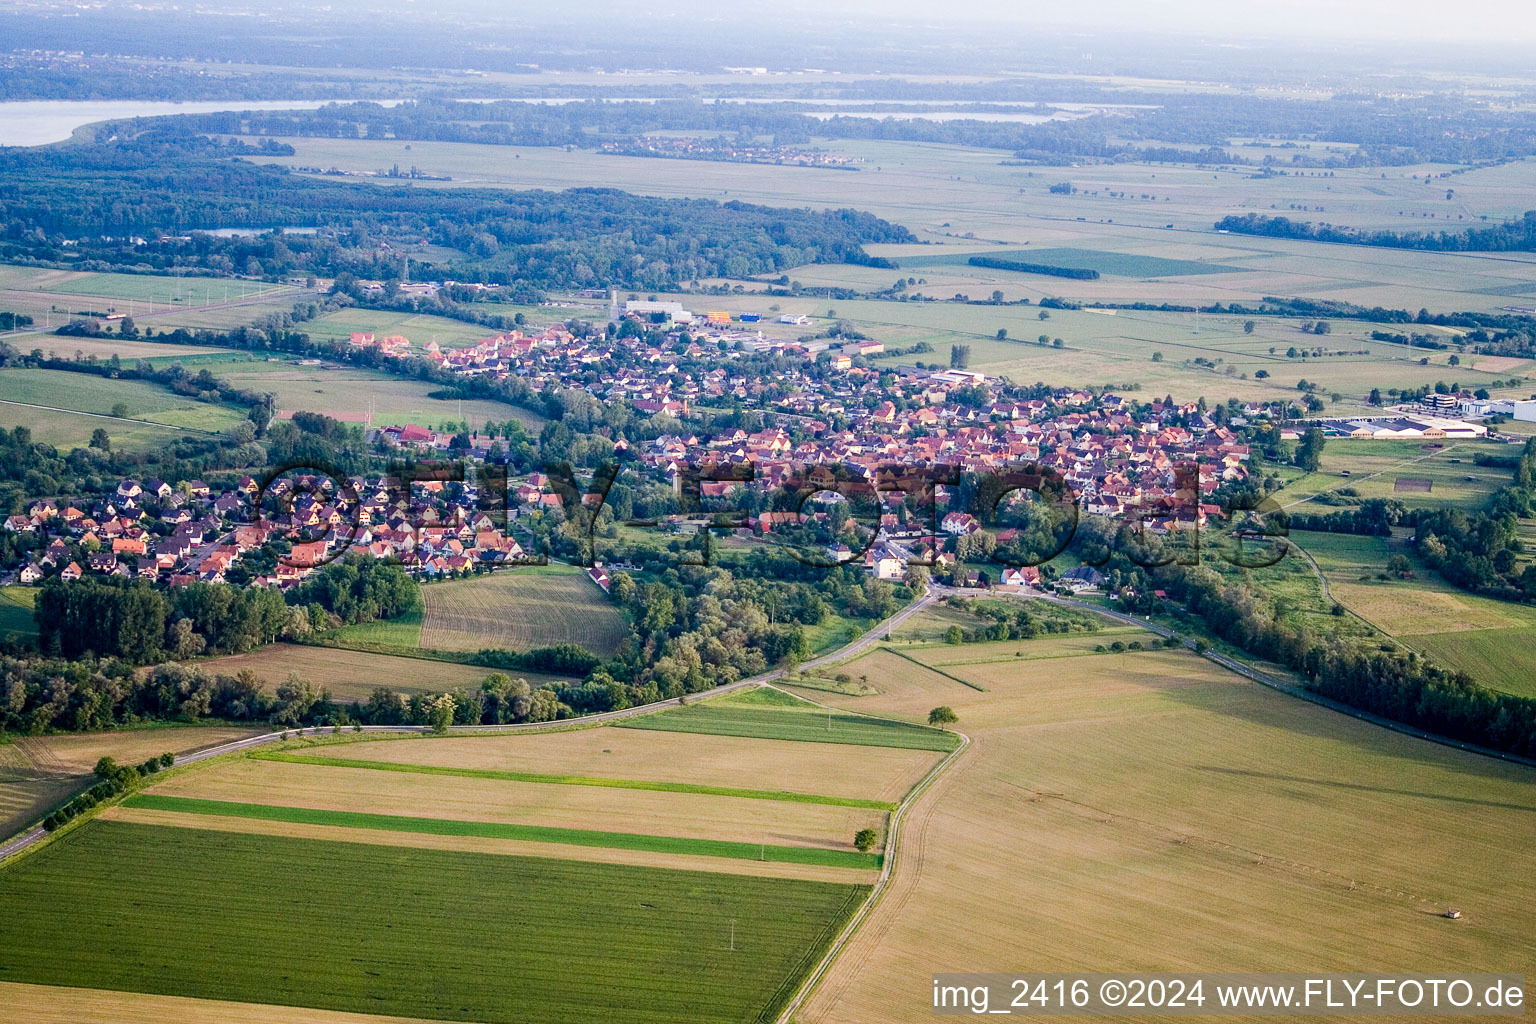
[(1480, 550), (1392, 683), (140, 623), (164, 185), (1510, 236)]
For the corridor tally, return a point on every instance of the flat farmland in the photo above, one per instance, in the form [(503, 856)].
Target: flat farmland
[(353, 675), (519, 609), (1375, 467), (409, 932), (778, 716), (1483, 637), (419, 327), (49, 1004), (875, 773), (944, 192), (1047, 645), (75, 404), (1163, 814), (681, 815), (40, 772), (349, 391), (161, 302), (1115, 348)]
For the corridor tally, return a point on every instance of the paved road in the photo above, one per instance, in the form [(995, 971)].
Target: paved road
[(873, 636), (18, 843), (1261, 678)]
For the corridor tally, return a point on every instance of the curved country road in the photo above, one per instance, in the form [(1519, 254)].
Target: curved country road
[(24, 840)]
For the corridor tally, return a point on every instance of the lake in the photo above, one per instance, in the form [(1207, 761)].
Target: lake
[(39, 122)]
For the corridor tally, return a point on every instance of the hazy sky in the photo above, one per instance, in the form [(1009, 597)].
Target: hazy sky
[(1496, 22)]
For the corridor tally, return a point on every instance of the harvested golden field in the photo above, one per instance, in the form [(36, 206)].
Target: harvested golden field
[(828, 769), (353, 675), (485, 844), (51, 1004), (40, 772), (1434, 608), (685, 815), (538, 606), (1152, 812)]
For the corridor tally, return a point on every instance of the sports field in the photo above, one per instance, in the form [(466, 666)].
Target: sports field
[(518, 609), (1162, 814), (434, 934), (1375, 468)]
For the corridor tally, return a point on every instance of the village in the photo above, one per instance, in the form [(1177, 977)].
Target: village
[(823, 405)]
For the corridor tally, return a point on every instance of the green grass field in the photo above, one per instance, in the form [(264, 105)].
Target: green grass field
[(76, 404), (1485, 638), (791, 719), (497, 830), (16, 610), (408, 932), (1117, 263), (580, 780), (1374, 467), (352, 391), (420, 328)]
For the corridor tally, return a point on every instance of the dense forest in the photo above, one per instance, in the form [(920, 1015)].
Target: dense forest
[(99, 197), (1145, 126), (140, 623)]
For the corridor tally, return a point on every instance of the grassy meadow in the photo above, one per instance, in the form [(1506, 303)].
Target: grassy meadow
[(63, 409), (1487, 639), (353, 674)]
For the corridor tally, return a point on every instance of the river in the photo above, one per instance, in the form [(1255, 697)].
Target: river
[(39, 122)]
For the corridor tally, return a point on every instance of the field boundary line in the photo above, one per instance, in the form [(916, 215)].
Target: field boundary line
[(644, 842), (1253, 674), (32, 838), (784, 796), (938, 671), (887, 868)]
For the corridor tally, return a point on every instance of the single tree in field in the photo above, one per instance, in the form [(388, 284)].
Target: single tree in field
[(865, 839), (1248, 326), (942, 715)]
